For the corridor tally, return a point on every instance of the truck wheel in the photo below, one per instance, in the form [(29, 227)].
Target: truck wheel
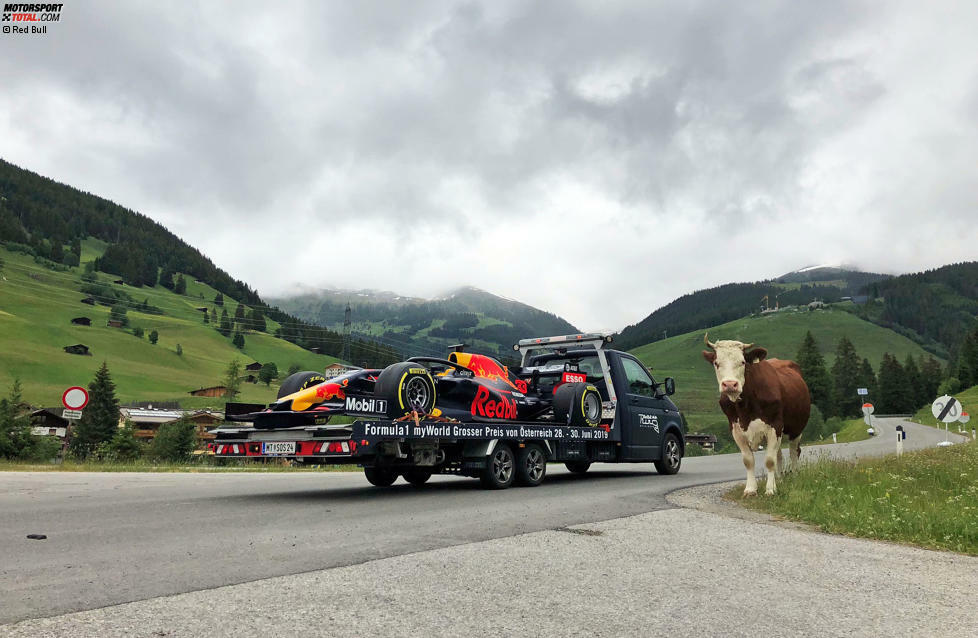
[(577, 404), (299, 381), (380, 476), (531, 466), (416, 476), (672, 456), (405, 386), (500, 468), (577, 467)]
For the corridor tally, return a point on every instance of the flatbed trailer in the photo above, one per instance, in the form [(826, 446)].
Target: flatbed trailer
[(640, 424)]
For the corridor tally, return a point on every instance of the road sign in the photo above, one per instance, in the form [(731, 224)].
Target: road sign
[(75, 398), (868, 408), (964, 418), (73, 415), (862, 391), (946, 409)]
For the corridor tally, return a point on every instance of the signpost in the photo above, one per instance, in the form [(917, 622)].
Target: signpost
[(74, 399), (862, 391), (868, 418), (946, 409), (901, 435)]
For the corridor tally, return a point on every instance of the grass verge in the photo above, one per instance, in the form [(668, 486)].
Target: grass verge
[(927, 498), (205, 466)]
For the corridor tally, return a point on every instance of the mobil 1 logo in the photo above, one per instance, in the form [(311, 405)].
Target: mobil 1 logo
[(365, 405)]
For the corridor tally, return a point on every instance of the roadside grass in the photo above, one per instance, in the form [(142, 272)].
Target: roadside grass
[(205, 465), (969, 401), (852, 430), (927, 498)]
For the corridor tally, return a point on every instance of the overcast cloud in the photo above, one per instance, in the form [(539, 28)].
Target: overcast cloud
[(594, 159)]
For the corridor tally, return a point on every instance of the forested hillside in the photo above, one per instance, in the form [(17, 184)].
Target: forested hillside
[(48, 220)]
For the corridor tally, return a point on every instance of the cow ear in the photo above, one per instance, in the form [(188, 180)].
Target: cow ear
[(710, 356), (755, 355)]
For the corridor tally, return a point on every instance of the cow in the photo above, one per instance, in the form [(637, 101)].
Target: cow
[(764, 399)]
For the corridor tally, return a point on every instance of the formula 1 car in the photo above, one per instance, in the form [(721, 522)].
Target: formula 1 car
[(463, 387)]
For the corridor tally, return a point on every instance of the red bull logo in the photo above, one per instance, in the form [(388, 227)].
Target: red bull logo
[(327, 391), (486, 404)]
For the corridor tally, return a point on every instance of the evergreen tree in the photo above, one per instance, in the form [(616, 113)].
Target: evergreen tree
[(845, 377), (179, 350), (214, 316), (239, 314), (968, 361), (258, 320), (100, 419), (174, 441), (238, 340), (57, 251), (895, 395), (232, 380), (154, 337), (225, 328), (149, 269), (76, 247), (218, 299), (813, 370), (867, 379), (124, 446), (180, 286), (815, 430), (138, 332), (930, 378), (207, 317), (916, 390), (15, 428)]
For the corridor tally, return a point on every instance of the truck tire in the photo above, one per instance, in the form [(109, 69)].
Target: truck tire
[(405, 386), (500, 468), (577, 467), (380, 476), (577, 404), (531, 466), (672, 455), (299, 381), (416, 476)]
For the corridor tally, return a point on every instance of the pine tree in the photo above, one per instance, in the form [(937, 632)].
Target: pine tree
[(76, 247), (916, 390), (57, 251), (867, 379), (179, 350), (225, 328), (16, 439), (813, 370), (895, 396), (258, 320), (968, 361), (239, 314), (219, 299), (100, 419), (180, 286), (124, 446), (931, 376), (214, 316), (232, 380), (845, 377), (238, 340), (154, 337), (174, 441)]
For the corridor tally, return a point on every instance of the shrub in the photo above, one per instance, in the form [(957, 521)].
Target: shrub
[(174, 441)]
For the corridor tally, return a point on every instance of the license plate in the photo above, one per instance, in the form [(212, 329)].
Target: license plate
[(278, 448)]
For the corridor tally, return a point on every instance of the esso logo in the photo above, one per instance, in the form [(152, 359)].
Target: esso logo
[(574, 377)]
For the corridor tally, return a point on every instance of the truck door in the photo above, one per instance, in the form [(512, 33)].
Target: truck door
[(643, 413)]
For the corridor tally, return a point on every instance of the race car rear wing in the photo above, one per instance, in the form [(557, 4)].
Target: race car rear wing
[(592, 339)]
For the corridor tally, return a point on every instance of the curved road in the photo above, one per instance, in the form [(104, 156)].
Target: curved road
[(119, 537)]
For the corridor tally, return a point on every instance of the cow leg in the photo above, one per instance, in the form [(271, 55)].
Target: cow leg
[(780, 460), (740, 438), (794, 451), (771, 460)]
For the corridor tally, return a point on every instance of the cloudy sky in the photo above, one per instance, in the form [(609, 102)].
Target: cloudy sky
[(595, 159)]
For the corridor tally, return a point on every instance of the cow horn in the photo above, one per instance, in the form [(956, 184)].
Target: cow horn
[(707, 341), (747, 346)]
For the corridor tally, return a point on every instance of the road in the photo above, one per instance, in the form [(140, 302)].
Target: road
[(119, 537)]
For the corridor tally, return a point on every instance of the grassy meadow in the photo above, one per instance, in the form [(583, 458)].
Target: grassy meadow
[(36, 308)]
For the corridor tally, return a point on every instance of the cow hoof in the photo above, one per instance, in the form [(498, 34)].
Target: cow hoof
[(769, 492), (750, 492)]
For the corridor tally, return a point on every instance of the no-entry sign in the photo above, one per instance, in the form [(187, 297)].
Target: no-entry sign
[(75, 398)]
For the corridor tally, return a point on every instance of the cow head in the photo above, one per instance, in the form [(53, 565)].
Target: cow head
[(730, 360)]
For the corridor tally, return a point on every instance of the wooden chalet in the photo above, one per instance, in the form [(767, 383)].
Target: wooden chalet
[(147, 421), (213, 391), (81, 321), (78, 348), (114, 323)]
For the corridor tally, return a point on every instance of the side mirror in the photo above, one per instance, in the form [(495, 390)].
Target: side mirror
[(670, 385)]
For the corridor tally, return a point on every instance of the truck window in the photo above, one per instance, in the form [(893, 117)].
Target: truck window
[(639, 381)]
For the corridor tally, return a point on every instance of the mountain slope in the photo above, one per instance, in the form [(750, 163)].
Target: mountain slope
[(485, 321)]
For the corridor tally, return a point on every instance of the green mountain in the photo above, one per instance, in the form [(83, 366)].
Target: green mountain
[(487, 322), (720, 304)]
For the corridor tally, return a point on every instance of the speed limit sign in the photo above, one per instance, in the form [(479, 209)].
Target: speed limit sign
[(946, 409)]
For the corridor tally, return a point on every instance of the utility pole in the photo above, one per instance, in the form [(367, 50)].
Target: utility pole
[(346, 332)]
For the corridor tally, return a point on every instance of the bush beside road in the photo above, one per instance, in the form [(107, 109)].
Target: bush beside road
[(928, 498)]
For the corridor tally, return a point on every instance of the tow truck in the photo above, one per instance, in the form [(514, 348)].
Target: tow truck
[(638, 423)]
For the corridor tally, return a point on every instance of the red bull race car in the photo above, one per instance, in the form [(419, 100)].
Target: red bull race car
[(553, 386)]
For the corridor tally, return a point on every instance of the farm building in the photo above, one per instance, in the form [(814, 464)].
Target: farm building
[(253, 367), (89, 301), (49, 422), (147, 421), (78, 348), (81, 321), (336, 369), (113, 323), (213, 391)]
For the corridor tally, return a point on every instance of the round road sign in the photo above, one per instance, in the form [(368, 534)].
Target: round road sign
[(868, 408), (965, 417), (946, 409), (75, 398)]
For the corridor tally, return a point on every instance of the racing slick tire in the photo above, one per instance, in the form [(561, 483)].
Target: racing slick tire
[(531, 466), (404, 386), (380, 476), (416, 476), (672, 455), (577, 404), (500, 468), (577, 467), (299, 381)]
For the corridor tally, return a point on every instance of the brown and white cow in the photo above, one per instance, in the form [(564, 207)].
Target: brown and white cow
[(763, 399)]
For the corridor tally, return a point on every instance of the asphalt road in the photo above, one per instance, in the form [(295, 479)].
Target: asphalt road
[(117, 537)]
